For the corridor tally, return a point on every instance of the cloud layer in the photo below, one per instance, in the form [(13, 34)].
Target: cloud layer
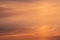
[(29, 21)]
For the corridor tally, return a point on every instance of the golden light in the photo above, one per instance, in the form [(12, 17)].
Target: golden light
[(44, 30)]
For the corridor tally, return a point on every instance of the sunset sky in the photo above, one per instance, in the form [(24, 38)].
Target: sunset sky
[(29, 19)]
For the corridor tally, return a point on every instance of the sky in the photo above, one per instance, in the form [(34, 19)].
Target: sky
[(29, 19)]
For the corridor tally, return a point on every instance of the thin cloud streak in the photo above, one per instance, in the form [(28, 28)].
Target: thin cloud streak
[(22, 0)]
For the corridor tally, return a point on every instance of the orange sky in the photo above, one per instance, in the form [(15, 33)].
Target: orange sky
[(29, 18)]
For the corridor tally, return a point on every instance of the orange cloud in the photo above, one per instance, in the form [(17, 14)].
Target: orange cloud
[(29, 21)]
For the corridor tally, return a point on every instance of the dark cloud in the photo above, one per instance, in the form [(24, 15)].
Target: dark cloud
[(22, 0), (7, 12), (4, 12), (13, 28), (6, 28), (30, 37), (4, 9)]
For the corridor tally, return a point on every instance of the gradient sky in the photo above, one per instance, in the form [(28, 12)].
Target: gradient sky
[(28, 19)]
